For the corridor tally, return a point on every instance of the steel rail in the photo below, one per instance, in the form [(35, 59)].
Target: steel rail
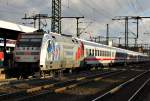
[(138, 91), (118, 87)]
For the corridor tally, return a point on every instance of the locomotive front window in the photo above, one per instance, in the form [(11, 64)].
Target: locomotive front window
[(29, 42)]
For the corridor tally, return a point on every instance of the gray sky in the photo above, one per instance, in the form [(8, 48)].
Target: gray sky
[(97, 14)]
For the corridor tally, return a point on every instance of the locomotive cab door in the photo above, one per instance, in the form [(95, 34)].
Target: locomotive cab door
[(46, 54)]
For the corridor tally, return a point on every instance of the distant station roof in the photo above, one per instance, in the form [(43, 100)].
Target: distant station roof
[(11, 30)]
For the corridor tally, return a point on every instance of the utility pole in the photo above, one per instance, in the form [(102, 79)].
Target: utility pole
[(107, 35), (36, 17), (56, 16), (119, 40), (127, 32), (126, 18), (78, 33), (77, 27), (39, 22)]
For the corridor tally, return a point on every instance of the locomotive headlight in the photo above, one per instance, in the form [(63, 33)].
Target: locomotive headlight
[(17, 48), (35, 58), (17, 58)]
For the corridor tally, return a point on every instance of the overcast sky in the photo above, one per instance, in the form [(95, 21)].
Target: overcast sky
[(97, 14)]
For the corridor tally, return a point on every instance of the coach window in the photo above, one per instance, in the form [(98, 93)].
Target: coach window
[(113, 54), (87, 52), (103, 53), (93, 52), (90, 52), (107, 53), (96, 52), (99, 52)]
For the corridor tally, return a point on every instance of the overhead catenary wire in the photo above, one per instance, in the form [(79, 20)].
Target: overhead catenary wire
[(100, 11), (119, 4)]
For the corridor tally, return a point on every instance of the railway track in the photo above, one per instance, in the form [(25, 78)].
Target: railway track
[(60, 94), (130, 90), (72, 94), (53, 87)]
